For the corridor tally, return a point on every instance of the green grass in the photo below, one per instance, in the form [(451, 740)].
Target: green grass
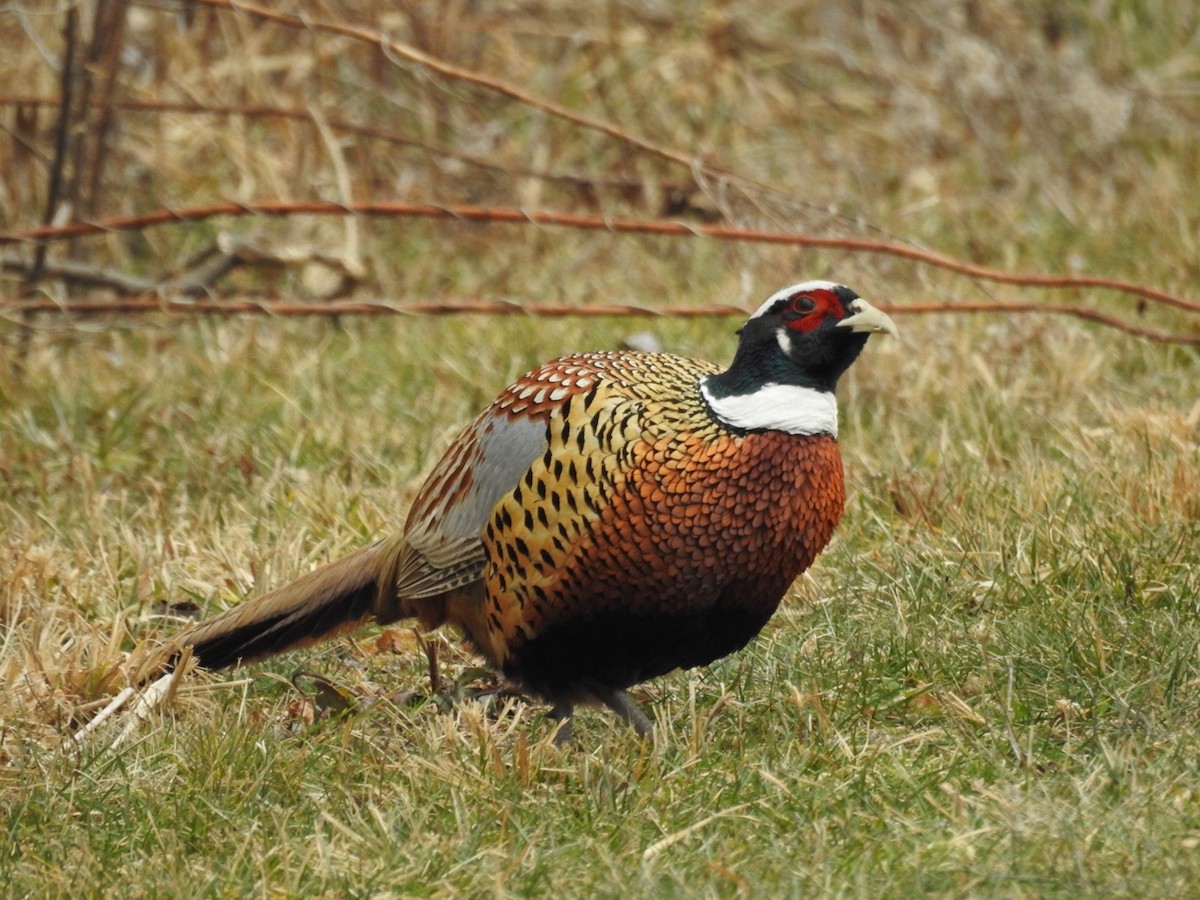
[(988, 685)]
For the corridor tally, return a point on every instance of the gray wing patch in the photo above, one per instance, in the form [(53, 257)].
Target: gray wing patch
[(445, 529), (505, 448)]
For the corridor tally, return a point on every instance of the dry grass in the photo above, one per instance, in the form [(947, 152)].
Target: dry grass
[(986, 686)]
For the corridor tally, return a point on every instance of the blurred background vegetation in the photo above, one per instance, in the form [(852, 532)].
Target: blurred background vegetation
[(1025, 135)]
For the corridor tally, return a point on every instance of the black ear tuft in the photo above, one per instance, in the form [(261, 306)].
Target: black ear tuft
[(845, 294)]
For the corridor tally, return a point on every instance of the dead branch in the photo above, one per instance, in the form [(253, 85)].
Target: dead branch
[(61, 139), (201, 273), (79, 273), (287, 308), (101, 65), (509, 215)]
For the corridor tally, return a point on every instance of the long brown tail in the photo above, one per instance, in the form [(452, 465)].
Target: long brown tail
[(337, 597)]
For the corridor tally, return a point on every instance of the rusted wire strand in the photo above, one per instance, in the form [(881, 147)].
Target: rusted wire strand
[(287, 308), (659, 227)]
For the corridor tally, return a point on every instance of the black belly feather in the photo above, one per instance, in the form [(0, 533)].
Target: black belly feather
[(618, 649)]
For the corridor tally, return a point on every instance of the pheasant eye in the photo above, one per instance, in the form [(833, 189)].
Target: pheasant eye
[(802, 304)]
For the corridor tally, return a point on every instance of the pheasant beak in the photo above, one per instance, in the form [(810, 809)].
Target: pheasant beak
[(867, 318)]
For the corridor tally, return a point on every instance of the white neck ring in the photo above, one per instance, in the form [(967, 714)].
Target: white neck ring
[(777, 407)]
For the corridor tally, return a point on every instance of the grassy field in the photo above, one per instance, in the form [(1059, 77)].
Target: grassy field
[(989, 684)]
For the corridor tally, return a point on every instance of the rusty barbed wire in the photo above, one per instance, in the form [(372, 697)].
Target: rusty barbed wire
[(235, 306), (616, 225)]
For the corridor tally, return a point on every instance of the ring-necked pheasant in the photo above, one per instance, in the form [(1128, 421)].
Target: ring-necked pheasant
[(609, 518)]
